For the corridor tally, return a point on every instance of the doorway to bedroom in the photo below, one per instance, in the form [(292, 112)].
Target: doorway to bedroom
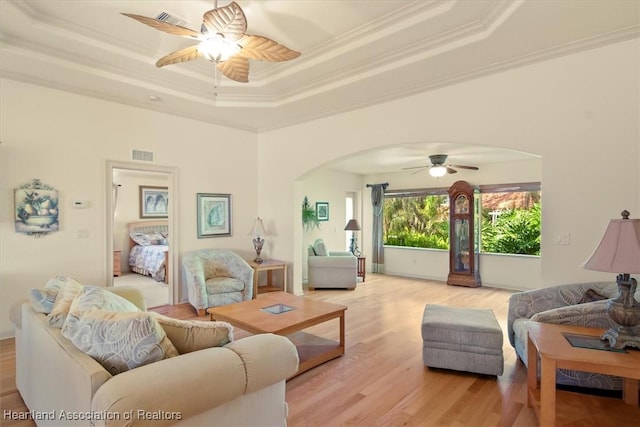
[(140, 237)]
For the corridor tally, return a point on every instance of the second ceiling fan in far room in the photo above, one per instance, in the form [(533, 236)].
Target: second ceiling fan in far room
[(438, 168)]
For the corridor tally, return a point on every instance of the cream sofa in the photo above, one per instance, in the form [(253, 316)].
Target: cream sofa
[(239, 384), (331, 269)]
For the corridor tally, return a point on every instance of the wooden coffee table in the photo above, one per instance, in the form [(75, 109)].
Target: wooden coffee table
[(306, 312), (548, 341)]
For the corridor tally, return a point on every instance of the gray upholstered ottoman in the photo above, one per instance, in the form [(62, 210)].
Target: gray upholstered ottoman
[(463, 339)]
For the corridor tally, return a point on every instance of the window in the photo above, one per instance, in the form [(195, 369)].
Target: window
[(510, 220), (417, 218)]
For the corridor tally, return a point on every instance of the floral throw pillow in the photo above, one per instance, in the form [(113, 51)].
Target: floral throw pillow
[(43, 299), (121, 341), (61, 306)]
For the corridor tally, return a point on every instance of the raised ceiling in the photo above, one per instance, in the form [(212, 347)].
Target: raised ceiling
[(354, 53)]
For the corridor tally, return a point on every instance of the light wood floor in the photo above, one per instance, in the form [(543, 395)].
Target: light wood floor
[(381, 380)]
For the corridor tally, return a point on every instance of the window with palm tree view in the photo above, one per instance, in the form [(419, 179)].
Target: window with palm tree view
[(510, 218)]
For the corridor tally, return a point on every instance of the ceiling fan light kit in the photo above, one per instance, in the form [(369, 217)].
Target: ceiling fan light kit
[(438, 168), (223, 40), (437, 171)]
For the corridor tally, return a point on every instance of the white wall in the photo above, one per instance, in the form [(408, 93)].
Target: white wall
[(577, 112), (66, 139), (328, 186)]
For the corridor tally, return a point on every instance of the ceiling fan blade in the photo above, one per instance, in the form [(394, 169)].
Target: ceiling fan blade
[(265, 49), (236, 68), (183, 55), (473, 168), (164, 26), (229, 21), (451, 170), (415, 167)]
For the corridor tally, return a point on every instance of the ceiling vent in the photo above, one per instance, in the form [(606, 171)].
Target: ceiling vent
[(170, 19), (142, 156)]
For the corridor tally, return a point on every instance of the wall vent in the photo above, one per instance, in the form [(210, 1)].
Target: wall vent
[(170, 19), (142, 156)]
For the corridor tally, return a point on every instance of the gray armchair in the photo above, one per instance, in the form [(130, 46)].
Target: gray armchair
[(331, 269), (215, 277)]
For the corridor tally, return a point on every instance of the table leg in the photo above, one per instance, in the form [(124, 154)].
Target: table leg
[(342, 339), (255, 284), (547, 392), (630, 391), (532, 372)]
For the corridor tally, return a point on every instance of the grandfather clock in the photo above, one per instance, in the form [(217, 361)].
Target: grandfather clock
[(464, 235)]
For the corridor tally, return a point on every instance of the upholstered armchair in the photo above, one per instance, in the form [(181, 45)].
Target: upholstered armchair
[(215, 277), (331, 269)]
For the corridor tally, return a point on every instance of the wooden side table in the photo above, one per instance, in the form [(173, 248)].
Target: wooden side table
[(117, 255), (268, 265), (548, 341), (362, 267)]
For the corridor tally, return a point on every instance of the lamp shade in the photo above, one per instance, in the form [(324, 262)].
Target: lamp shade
[(258, 228), (437, 171), (352, 225), (619, 250)]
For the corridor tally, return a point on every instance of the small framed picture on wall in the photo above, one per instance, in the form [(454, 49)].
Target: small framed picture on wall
[(322, 211)]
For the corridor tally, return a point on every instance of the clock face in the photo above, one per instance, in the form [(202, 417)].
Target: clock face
[(462, 204)]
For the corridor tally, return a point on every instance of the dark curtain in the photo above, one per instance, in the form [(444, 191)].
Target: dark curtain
[(377, 201)]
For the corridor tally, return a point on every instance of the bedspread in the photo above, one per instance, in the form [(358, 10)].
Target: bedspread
[(149, 260)]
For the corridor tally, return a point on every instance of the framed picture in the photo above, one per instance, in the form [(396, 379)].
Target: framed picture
[(36, 209), (214, 215), (322, 211), (154, 202)]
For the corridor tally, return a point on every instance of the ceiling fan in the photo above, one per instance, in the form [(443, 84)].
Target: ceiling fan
[(222, 39), (438, 168)]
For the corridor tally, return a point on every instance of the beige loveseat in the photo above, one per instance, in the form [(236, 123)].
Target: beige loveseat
[(331, 269), (239, 384)]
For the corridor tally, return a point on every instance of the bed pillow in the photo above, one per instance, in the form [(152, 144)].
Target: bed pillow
[(121, 341), (148, 239), (61, 306), (194, 335), (42, 299)]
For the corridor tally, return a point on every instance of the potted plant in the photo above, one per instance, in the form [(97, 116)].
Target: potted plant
[(309, 218)]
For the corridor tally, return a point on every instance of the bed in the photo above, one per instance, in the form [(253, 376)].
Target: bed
[(149, 250)]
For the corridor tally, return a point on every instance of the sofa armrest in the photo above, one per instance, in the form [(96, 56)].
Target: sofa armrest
[(340, 253), (588, 315), (192, 383), (526, 304), (333, 262)]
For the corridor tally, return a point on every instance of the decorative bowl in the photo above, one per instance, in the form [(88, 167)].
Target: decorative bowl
[(41, 220)]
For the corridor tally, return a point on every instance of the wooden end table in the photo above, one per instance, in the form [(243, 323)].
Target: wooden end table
[(312, 350), (268, 265), (362, 268), (547, 341)]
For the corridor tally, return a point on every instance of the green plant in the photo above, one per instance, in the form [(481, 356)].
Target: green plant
[(515, 231), (309, 218)]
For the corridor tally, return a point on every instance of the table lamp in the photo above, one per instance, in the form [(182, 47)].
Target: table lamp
[(619, 251), (258, 242), (353, 226)]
